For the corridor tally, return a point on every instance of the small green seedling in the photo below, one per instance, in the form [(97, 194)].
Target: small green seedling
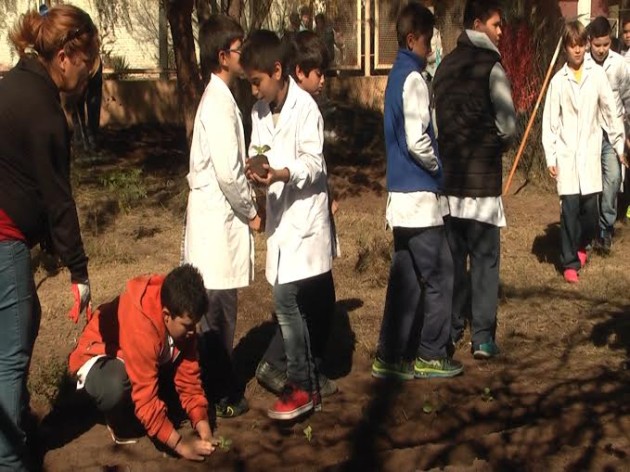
[(427, 408), (256, 163), (486, 395), (224, 443), (308, 432), (261, 149)]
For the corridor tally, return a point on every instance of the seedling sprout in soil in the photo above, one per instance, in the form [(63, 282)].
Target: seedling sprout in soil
[(308, 432), (256, 163)]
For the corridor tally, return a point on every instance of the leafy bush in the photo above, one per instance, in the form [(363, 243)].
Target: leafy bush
[(126, 186)]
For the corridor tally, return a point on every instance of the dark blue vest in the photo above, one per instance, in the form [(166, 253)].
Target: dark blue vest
[(404, 173)]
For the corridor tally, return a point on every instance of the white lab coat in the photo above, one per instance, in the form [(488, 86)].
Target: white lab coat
[(573, 119), (218, 240), (298, 220)]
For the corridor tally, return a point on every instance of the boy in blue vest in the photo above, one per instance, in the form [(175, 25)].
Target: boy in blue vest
[(420, 285)]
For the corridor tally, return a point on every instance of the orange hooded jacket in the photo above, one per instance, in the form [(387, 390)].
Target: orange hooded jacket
[(132, 328)]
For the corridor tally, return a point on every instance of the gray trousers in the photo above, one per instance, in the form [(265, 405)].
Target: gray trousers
[(416, 319), (578, 227), (481, 243), (216, 344)]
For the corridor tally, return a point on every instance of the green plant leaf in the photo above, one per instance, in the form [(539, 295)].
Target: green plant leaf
[(427, 407), (308, 432), (262, 149)]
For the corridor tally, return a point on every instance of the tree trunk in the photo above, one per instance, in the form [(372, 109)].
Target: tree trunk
[(450, 15), (204, 10), (189, 86)]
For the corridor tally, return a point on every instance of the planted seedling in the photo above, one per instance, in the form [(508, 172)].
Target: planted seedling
[(486, 395), (256, 163), (427, 408), (308, 432), (224, 443)]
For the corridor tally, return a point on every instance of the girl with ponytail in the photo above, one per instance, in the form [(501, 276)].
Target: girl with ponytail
[(58, 50)]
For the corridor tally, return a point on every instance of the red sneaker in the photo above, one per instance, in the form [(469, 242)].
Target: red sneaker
[(582, 256), (291, 403), (571, 276)]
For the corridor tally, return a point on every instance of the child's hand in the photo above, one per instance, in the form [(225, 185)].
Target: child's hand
[(256, 223), (194, 449), (553, 172), (273, 175), (334, 207), (624, 160)]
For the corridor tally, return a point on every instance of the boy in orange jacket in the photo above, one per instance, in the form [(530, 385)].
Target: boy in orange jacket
[(122, 348)]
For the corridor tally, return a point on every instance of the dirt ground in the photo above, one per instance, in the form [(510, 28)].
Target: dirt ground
[(558, 398)]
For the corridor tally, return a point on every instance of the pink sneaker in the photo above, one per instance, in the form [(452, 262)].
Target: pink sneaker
[(582, 256), (571, 276)]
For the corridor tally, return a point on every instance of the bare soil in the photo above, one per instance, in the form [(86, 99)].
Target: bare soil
[(558, 398)]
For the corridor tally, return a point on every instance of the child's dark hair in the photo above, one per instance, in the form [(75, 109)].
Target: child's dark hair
[(309, 53), (414, 19), (480, 10), (183, 292), (217, 34), (574, 33), (262, 50), (599, 28)]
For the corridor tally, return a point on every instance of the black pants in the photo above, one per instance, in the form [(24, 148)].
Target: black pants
[(316, 299), (416, 319), (481, 243), (216, 344), (108, 385), (578, 226)]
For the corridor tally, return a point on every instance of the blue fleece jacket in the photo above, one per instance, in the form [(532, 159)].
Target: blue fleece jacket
[(404, 173)]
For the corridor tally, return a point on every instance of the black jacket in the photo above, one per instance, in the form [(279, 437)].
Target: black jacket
[(35, 163), (468, 139)]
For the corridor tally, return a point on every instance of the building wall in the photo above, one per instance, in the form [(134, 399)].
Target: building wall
[(135, 39)]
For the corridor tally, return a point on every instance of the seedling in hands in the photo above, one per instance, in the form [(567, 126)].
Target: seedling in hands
[(224, 444), (256, 163)]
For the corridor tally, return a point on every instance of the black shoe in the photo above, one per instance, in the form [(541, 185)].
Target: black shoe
[(227, 408), (606, 245), (327, 387), (271, 378)]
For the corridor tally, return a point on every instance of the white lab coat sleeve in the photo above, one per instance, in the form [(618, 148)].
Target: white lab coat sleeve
[(551, 123), (255, 136), (624, 91), (415, 98), (223, 136), (309, 164), (611, 123)]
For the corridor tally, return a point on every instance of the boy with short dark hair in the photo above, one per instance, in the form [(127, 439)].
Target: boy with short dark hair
[(579, 107), (221, 214), (287, 120), (476, 120), (420, 283), (126, 343), (317, 297), (600, 39)]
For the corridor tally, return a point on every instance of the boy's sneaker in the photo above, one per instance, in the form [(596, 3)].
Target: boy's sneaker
[(271, 378), (226, 408), (402, 370), (606, 244), (327, 387), (292, 402), (445, 367), (582, 256), (571, 276), (486, 350)]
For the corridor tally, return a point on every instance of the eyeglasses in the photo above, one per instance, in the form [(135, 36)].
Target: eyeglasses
[(237, 51)]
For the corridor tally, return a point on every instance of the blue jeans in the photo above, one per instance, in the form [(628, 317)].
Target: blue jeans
[(19, 323), (292, 321), (611, 182), (417, 315)]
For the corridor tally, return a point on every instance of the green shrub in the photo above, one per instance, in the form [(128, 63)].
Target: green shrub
[(126, 186)]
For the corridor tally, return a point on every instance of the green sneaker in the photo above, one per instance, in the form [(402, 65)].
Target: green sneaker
[(402, 370), (445, 367), (230, 409), (486, 350)]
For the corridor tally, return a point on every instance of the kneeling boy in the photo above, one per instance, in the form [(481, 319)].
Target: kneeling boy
[(120, 352)]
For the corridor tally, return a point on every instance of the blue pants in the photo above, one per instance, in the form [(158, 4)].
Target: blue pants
[(417, 314), (292, 321), (611, 183), (578, 215), (19, 323), (479, 243)]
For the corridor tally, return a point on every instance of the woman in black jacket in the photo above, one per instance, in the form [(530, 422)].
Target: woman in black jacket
[(57, 50)]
